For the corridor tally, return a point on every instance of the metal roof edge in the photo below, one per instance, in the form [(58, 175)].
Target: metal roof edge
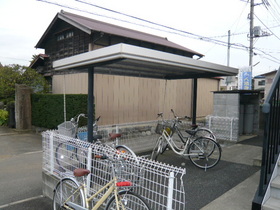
[(121, 51)]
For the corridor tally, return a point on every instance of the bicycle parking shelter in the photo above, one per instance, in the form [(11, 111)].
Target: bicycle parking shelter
[(128, 60)]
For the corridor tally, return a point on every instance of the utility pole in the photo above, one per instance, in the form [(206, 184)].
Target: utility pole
[(251, 35), (229, 79), (228, 51)]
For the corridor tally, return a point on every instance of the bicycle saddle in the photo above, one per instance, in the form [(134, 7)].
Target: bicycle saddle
[(194, 126), (78, 172), (113, 136), (191, 132), (96, 137)]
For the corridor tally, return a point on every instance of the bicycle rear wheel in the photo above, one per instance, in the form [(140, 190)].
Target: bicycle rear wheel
[(204, 152), (127, 200), (66, 191), (158, 149), (204, 132)]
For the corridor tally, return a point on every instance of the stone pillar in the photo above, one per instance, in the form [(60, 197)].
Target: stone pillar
[(23, 107)]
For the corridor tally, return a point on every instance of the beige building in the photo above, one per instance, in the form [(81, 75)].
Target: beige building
[(268, 81), (123, 99)]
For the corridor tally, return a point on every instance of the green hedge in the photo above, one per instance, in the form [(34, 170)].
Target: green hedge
[(48, 109)]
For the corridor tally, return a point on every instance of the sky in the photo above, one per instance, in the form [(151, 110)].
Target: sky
[(200, 25)]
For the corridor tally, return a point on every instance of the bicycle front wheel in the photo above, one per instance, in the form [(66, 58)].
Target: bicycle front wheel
[(66, 192), (66, 156), (127, 200), (204, 152), (124, 150)]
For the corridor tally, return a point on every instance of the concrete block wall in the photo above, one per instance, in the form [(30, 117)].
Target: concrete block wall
[(240, 108), (49, 184), (225, 119), (226, 105)]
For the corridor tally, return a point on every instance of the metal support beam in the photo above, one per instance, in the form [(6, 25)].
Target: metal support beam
[(90, 102), (194, 101)]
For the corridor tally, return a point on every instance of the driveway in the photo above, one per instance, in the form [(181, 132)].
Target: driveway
[(21, 171), (21, 175)]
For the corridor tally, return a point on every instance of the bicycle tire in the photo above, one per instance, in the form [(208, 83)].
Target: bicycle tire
[(204, 132), (127, 151), (204, 152), (67, 190), (133, 171), (130, 200), (157, 149), (66, 156)]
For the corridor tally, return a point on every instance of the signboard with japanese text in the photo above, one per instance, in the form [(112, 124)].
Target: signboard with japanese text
[(245, 78)]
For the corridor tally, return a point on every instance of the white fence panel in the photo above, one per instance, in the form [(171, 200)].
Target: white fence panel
[(160, 184)]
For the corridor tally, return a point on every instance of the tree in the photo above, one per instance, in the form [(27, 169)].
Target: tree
[(16, 74)]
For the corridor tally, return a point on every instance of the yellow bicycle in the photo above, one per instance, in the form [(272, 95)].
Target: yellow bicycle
[(69, 194)]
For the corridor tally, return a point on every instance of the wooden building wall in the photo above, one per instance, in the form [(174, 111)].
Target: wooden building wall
[(121, 99)]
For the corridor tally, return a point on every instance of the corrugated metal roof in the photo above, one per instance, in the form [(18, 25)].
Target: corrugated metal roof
[(89, 25)]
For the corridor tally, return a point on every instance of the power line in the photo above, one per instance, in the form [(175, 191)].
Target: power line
[(14, 58), (173, 30), (267, 27), (274, 12)]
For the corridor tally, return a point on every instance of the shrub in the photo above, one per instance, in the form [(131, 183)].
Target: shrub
[(3, 117)]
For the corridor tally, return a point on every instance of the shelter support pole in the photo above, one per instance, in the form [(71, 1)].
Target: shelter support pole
[(194, 101), (90, 102)]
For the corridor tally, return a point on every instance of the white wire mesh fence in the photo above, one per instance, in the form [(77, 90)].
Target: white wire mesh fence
[(160, 184), (225, 128)]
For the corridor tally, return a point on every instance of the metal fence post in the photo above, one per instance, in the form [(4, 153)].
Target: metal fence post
[(170, 190), (210, 122), (51, 153), (231, 128), (117, 131), (89, 162)]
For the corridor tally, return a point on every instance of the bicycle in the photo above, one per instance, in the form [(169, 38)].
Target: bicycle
[(69, 152), (69, 194), (204, 152), (193, 133), (195, 130)]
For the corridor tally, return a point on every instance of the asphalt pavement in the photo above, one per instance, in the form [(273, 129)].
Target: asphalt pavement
[(229, 185)]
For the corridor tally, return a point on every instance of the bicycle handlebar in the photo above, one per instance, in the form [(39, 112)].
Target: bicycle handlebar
[(76, 119), (180, 118), (160, 115)]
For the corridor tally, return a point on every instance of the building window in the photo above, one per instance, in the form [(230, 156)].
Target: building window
[(69, 34), (261, 83), (60, 37), (65, 35)]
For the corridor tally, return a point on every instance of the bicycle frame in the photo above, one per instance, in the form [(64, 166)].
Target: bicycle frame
[(176, 149), (203, 151), (173, 146), (112, 189)]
